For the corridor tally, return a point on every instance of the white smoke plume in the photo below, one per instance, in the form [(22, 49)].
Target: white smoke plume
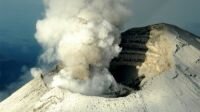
[(84, 36)]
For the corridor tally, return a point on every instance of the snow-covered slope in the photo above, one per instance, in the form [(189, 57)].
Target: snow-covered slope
[(172, 82)]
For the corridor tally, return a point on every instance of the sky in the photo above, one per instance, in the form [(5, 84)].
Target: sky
[(183, 13), (18, 19), (17, 28)]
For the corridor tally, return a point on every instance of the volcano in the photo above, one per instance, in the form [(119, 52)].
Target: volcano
[(158, 67)]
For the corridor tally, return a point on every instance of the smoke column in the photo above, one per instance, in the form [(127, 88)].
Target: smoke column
[(84, 36)]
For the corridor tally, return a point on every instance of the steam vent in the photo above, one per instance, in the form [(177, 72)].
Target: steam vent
[(157, 70)]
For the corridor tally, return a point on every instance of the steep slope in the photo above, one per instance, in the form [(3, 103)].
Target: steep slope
[(167, 56), (12, 76)]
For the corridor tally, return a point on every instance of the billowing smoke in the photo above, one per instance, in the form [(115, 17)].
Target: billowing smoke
[(84, 36)]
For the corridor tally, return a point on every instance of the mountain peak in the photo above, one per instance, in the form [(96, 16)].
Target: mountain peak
[(166, 55)]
